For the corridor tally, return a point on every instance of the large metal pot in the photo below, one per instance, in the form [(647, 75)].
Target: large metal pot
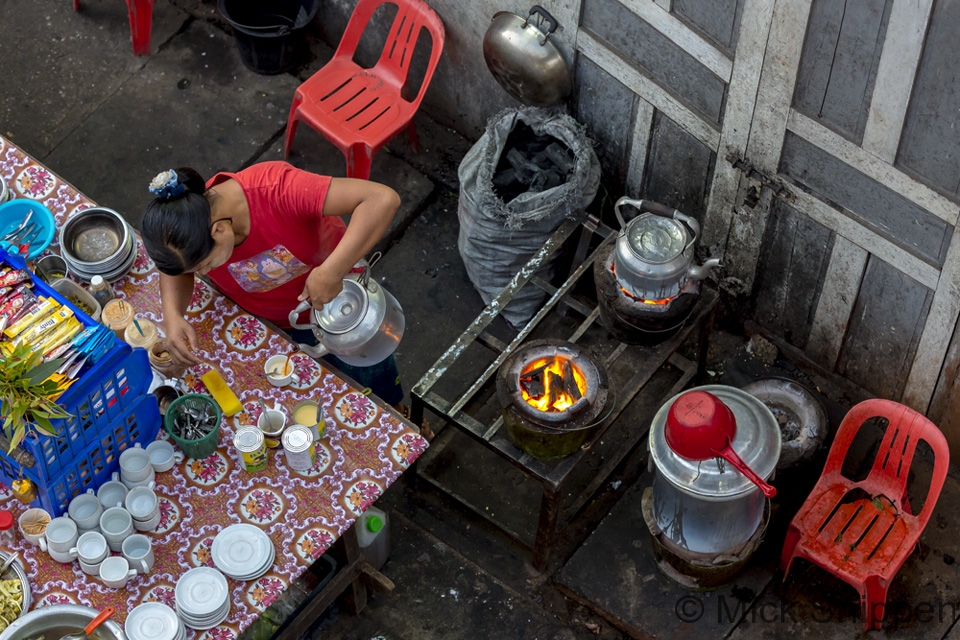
[(701, 505), (524, 61), (361, 326), (654, 254), (57, 620)]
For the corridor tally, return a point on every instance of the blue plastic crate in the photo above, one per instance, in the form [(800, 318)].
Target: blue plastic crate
[(95, 464)]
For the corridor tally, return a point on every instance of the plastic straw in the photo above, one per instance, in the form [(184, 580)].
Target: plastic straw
[(137, 325)]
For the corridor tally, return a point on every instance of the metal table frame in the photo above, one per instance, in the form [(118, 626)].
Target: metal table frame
[(552, 473)]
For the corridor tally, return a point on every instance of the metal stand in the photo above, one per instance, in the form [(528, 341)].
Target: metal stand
[(644, 363)]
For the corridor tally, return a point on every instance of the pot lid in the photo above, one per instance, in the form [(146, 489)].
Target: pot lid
[(757, 442), (344, 312), (655, 239)]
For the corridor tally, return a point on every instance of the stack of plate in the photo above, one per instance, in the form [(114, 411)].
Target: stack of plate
[(243, 552), (203, 599), (154, 621), (98, 241)]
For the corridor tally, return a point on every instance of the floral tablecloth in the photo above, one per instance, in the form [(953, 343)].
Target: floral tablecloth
[(366, 448)]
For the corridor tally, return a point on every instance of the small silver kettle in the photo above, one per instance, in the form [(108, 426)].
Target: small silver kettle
[(362, 325), (654, 254)]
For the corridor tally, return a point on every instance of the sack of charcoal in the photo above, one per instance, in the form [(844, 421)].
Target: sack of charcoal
[(532, 168)]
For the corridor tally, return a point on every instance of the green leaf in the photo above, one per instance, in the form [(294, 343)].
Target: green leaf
[(45, 370)]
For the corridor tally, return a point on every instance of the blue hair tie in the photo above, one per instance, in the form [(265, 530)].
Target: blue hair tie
[(166, 185)]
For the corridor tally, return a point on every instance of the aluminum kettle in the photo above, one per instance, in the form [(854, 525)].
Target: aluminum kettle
[(654, 254), (361, 326)]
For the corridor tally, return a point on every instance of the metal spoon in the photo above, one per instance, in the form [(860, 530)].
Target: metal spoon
[(6, 565), (263, 412), (90, 628)]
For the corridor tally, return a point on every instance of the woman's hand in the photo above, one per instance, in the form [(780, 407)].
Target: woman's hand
[(181, 341), (321, 287)]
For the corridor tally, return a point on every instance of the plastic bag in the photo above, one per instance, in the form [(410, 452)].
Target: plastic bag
[(497, 238)]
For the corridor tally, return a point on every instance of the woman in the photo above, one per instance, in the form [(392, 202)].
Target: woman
[(268, 237)]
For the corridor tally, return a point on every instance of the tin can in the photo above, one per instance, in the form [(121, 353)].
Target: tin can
[(305, 413), (253, 451), (298, 445)]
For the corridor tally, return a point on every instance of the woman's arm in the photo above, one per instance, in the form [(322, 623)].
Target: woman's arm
[(371, 207), (181, 340)]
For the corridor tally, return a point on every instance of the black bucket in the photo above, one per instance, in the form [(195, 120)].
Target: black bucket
[(270, 35)]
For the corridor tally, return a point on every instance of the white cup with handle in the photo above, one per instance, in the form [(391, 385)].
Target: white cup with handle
[(142, 503), (85, 510), (33, 526), (138, 550), (61, 535), (135, 465), (112, 493), (163, 456), (116, 524), (92, 549), (115, 571)]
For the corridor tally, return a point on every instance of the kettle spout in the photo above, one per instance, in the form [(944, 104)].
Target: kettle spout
[(313, 350), (703, 271)]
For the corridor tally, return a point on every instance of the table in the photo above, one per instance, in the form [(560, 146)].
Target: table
[(464, 409), (366, 448)]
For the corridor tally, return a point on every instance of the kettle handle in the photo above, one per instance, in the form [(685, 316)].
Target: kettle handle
[(660, 210), (295, 315)]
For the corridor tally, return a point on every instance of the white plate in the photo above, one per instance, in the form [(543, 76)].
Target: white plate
[(239, 547), (252, 575), (209, 622), (201, 591), (153, 621)]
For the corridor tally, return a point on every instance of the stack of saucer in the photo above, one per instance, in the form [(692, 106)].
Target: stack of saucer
[(203, 599), (243, 552), (154, 621)]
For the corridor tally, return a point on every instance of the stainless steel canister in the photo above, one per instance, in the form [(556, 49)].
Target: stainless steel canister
[(298, 445), (250, 443)]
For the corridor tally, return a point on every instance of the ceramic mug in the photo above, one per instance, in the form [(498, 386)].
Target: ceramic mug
[(135, 465), (116, 524), (91, 550), (63, 556), (277, 363), (115, 571), (149, 483), (272, 421), (86, 510), (112, 493), (61, 535), (142, 503), (148, 525), (163, 456), (138, 551), (33, 534)]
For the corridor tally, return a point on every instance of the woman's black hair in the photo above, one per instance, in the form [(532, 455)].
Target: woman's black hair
[(176, 229)]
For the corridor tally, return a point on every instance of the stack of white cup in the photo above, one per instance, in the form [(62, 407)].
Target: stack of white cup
[(136, 469), (144, 508)]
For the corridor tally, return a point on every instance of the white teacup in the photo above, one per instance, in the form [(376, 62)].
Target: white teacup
[(149, 483), (63, 556), (116, 524), (142, 503), (33, 515), (135, 465), (138, 551), (148, 525), (277, 363), (163, 456), (272, 421), (85, 510), (115, 571), (91, 550), (61, 535), (112, 493)]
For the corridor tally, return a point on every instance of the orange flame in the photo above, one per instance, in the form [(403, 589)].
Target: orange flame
[(663, 301), (554, 369)]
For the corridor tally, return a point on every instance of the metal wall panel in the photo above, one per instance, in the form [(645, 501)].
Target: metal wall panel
[(871, 203), (717, 20), (667, 64), (793, 265), (839, 63), (930, 145), (884, 330)]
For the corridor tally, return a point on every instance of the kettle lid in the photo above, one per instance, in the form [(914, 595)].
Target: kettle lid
[(656, 239), (344, 313)]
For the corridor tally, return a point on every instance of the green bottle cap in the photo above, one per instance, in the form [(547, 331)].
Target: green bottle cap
[(374, 524)]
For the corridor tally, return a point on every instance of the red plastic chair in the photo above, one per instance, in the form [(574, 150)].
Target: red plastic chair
[(141, 19), (359, 110), (862, 532)]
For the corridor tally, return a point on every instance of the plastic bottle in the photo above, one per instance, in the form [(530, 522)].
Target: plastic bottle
[(373, 534), (101, 290), (7, 534)]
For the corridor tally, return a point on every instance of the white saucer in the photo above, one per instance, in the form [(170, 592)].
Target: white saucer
[(259, 571), (239, 547), (206, 622), (153, 621), (201, 592)]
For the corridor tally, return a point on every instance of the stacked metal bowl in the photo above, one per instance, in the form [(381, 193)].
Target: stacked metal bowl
[(98, 241)]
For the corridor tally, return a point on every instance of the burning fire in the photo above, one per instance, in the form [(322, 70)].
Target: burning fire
[(664, 301), (552, 384)]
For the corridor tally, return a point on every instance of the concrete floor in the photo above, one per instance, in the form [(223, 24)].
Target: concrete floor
[(76, 98)]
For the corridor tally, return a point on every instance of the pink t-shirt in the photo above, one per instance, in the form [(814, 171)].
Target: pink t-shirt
[(289, 236)]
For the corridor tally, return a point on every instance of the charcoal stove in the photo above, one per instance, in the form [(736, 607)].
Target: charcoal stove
[(552, 394)]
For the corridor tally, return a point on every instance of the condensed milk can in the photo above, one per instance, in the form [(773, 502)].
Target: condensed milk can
[(250, 444), (298, 444)]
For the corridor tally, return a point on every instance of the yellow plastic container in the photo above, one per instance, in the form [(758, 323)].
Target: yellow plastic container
[(222, 393)]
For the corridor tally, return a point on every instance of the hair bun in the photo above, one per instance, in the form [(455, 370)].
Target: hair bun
[(166, 185)]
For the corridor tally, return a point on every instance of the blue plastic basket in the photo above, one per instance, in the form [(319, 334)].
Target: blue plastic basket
[(95, 464), (12, 214)]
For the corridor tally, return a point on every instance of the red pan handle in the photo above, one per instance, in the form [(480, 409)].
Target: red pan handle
[(728, 454), (100, 619)]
